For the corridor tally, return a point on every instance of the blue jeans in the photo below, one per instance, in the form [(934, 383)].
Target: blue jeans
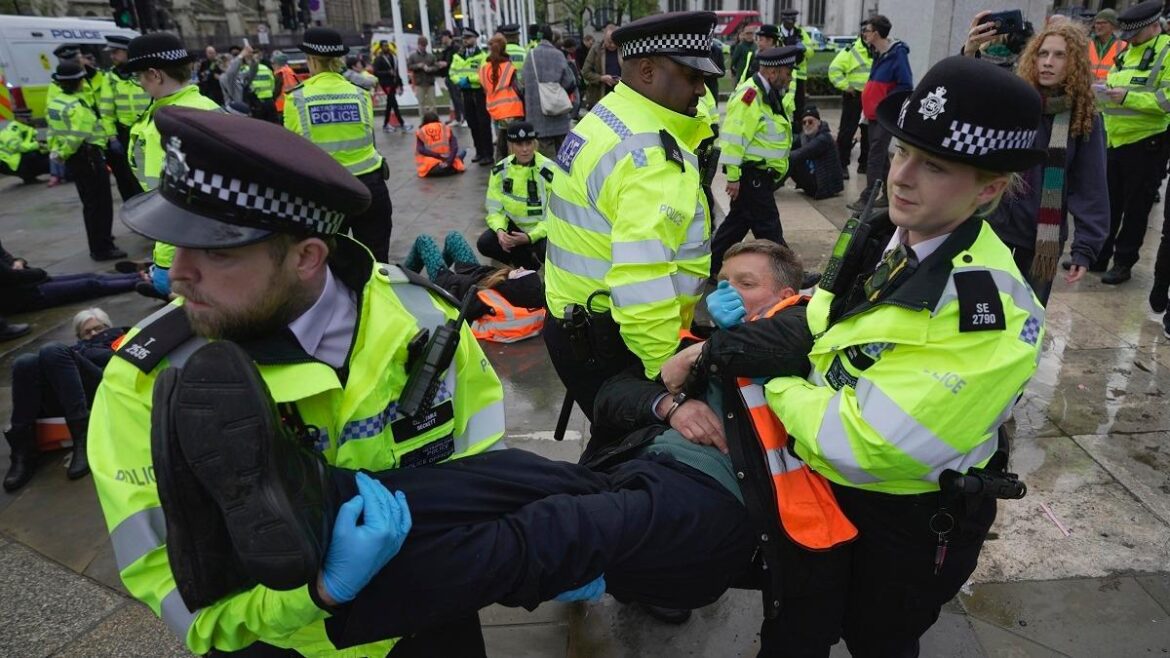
[(56, 381), (63, 289)]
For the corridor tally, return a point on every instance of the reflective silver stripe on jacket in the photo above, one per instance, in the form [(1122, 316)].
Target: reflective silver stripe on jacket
[(176, 615), (137, 535), (586, 266), (581, 217), (1020, 292), (481, 426)]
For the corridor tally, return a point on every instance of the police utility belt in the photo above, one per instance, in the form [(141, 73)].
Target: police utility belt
[(593, 335)]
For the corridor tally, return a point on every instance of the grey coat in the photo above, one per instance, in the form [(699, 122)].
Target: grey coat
[(549, 63)]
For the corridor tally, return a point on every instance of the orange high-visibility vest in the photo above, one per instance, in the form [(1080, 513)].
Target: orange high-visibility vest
[(808, 510), (436, 138), (503, 102), (506, 323), (285, 81), (1102, 63)]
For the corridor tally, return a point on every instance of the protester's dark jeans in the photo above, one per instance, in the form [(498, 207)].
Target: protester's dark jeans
[(56, 381), (392, 106), (878, 165), (69, 288), (511, 527)]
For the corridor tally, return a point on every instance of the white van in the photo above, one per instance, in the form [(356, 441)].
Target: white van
[(26, 52)]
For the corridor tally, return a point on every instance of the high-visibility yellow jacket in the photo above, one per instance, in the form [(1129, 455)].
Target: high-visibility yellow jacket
[(709, 109), (121, 100), (466, 67), (627, 215), (754, 132), (920, 381), (850, 68), (517, 53), (518, 193), (147, 154), (357, 431), (810, 46), (338, 116), (89, 89), (16, 139), (72, 123), (1143, 70), (264, 83)]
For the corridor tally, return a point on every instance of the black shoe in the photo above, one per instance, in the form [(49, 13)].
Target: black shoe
[(844, 174), (1159, 295), (9, 330), (810, 279), (674, 616), (272, 489), (1116, 276), (199, 548), (860, 169), (79, 460), (147, 289), (113, 253), (23, 442), (131, 266)]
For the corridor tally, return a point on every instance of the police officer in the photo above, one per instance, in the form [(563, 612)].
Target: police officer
[(20, 152), (792, 34), (849, 72), (924, 340), (336, 115), (264, 87), (756, 138), (516, 194), (121, 100), (628, 224), (464, 72), (77, 138), (71, 53), (516, 52), (329, 328), (768, 36), (162, 66), (1136, 117)]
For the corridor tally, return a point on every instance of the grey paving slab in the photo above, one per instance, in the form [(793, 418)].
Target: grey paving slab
[(131, 630), (550, 612), (1158, 587), (527, 641), (57, 517), (45, 605), (1141, 462), (1099, 617), (104, 568), (999, 643)]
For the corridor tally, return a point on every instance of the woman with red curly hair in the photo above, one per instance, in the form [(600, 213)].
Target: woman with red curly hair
[(1034, 221)]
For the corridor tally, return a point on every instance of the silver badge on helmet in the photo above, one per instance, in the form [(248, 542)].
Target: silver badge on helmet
[(934, 104), (176, 165)]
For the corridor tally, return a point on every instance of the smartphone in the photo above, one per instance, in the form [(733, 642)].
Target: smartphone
[(246, 44), (1006, 22)]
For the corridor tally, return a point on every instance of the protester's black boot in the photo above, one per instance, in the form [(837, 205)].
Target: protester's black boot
[(199, 548), (1159, 295), (79, 462), (23, 442), (271, 487)]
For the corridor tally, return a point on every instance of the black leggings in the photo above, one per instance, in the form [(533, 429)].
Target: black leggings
[(392, 106)]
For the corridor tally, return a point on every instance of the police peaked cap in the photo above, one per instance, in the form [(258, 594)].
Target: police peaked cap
[(323, 42), (789, 13), (970, 111), (117, 42), (510, 29), (1138, 16), (520, 131), (67, 51), (770, 31), (683, 36), (469, 32), (156, 50), (69, 71), (782, 56), (230, 181)]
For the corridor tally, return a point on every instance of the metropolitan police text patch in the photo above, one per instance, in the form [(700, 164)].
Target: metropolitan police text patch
[(334, 113)]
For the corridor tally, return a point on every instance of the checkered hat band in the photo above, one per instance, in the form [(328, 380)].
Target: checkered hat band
[(325, 48), (969, 139), (782, 61), (690, 45), (167, 55), (266, 207), (1137, 25)]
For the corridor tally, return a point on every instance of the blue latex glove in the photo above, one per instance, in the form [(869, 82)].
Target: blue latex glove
[(357, 552), (464, 83), (591, 591), (726, 306), (115, 146)]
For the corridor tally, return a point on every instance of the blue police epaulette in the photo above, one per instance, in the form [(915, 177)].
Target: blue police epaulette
[(749, 96), (158, 335), (547, 173)]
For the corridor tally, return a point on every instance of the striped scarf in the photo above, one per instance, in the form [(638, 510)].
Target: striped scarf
[(1051, 214)]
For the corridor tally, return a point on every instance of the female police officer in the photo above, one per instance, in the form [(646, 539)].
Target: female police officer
[(925, 335)]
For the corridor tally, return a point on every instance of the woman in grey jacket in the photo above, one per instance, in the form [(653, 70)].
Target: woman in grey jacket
[(546, 63), (1034, 221)]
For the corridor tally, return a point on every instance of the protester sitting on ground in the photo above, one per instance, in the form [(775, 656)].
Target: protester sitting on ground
[(814, 163), (21, 155), (454, 268), (516, 194), (436, 150), (58, 380), (24, 288)]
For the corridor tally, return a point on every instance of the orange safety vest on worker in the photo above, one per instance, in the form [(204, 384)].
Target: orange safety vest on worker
[(286, 79), (503, 102), (805, 504), (1102, 63), (434, 148), (506, 323)]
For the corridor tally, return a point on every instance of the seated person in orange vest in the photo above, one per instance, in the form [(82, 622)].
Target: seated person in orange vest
[(436, 151), (516, 193), (510, 303)]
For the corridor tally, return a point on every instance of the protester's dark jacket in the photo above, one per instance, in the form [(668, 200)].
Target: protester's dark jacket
[(1086, 197), (386, 70), (99, 349), (18, 287), (739, 55), (821, 150)]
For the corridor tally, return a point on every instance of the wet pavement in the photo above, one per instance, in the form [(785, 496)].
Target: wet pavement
[(1093, 445)]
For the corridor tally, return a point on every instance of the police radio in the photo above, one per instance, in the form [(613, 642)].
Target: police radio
[(428, 366), (845, 260)]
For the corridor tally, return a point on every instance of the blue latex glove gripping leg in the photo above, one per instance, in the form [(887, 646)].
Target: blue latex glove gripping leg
[(590, 591), (726, 306), (357, 552)]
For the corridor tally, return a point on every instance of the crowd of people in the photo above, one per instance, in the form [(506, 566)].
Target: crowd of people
[(797, 446)]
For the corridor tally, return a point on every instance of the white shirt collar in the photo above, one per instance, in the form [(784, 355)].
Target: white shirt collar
[(325, 331), (922, 249), (767, 87)]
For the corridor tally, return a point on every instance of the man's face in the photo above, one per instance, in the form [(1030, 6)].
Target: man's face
[(810, 125), (91, 328), (869, 35), (422, 44), (445, 40), (118, 56), (676, 87), (777, 76), (751, 276), (1102, 28), (524, 151), (238, 293), (747, 36), (469, 42), (152, 82)]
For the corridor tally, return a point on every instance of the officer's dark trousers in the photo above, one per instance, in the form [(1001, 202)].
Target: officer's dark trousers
[(87, 167), (456, 96), (879, 593), (128, 185), (478, 121), (799, 94), (1133, 172), (1162, 260), (582, 380), (511, 527), (530, 255), (754, 209), (372, 227), (850, 122), (878, 163)]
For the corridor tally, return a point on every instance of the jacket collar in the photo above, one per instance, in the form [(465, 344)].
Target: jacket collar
[(691, 131), (923, 289)]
